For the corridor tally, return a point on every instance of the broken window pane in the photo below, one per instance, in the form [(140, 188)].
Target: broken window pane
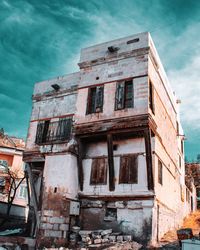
[(98, 171), (128, 169), (124, 95), (95, 100), (160, 172)]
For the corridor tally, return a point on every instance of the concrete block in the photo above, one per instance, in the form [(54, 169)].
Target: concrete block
[(46, 226), (120, 238), (105, 232), (55, 226), (59, 220), (85, 232), (112, 238), (64, 227), (48, 213), (51, 233), (127, 237)]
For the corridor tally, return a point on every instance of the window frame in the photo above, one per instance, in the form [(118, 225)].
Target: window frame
[(95, 100), (121, 95), (97, 177), (128, 172), (49, 131)]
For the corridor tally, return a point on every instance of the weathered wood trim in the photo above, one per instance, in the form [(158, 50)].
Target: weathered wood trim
[(33, 195), (115, 125), (80, 163), (117, 197), (147, 138), (111, 163)]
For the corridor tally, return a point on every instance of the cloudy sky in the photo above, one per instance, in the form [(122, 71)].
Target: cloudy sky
[(42, 39)]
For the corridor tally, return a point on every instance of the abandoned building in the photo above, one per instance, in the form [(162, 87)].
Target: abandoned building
[(105, 147)]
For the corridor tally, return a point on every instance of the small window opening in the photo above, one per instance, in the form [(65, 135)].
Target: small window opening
[(160, 172), (115, 146), (111, 214), (97, 78), (151, 97), (55, 190)]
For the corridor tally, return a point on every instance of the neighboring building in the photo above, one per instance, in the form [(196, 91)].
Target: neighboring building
[(11, 152), (193, 172), (12, 169), (105, 147)]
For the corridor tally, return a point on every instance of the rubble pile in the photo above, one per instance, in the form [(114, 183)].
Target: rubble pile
[(97, 238)]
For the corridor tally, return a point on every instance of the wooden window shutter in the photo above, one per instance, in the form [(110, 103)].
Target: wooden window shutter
[(99, 99), (119, 96), (128, 169), (98, 171)]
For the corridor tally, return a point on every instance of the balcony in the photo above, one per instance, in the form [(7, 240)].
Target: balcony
[(51, 132)]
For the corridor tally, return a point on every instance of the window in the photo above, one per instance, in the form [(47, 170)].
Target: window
[(124, 95), (128, 169), (98, 171), (23, 192), (182, 146), (111, 214), (151, 97), (180, 161), (160, 172), (54, 131), (95, 100)]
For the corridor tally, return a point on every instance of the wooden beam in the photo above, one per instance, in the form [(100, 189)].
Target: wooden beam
[(34, 199), (80, 163), (111, 163), (147, 138)]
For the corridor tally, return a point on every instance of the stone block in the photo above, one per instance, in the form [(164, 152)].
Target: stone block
[(112, 238), (120, 238), (97, 241), (48, 213), (127, 237), (51, 233), (64, 227), (55, 226), (59, 220), (46, 226), (85, 232), (105, 232), (105, 240)]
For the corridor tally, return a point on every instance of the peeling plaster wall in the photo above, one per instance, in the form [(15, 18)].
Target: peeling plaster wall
[(130, 146), (140, 102), (60, 172), (132, 217)]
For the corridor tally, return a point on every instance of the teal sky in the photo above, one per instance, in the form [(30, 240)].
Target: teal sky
[(42, 39)]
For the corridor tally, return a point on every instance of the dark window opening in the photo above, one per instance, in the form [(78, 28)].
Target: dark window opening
[(160, 172), (115, 146), (54, 131), (124, 95), (95, 100), (182, 146), (151, 97), (128, 169), (98, 171), (55, 190), (111, 214), (179, 161)]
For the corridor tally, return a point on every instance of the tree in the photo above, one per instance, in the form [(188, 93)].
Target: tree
[(15, 179)]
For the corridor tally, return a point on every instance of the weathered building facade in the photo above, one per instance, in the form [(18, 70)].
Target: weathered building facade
[(105, 146)]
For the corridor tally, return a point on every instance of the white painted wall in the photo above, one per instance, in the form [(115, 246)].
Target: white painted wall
[(61, 171), (129, 146)]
